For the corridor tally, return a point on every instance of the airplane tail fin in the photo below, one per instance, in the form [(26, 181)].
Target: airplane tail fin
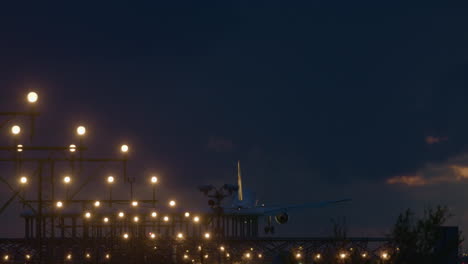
[(239, 182)]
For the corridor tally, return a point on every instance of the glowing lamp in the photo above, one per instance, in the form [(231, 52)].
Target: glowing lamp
[(15, 130), (81, 131), (32, 97)]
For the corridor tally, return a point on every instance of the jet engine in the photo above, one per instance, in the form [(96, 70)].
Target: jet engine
[(282, 218)]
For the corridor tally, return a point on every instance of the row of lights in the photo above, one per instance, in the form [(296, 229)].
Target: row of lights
[(59, 204), (110, 180), (121, 215), (179, 235)]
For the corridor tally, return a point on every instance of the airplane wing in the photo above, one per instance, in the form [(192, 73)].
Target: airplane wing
[(284, 209)]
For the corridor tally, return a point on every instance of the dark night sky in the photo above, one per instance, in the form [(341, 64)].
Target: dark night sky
[(318, 99)]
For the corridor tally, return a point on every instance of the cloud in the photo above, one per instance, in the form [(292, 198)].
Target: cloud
[(433, 140), (220, 144), (454, 170)]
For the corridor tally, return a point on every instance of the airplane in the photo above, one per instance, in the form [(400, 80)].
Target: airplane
[(244, 203)]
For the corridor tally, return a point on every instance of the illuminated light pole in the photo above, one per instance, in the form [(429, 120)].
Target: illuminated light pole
[(15, 130), (81, 132), (154, 180), (196, 219), (87, 215), (110, 182), (32, 97), (136, 219), (66, 181), (121, 215), (180, 235), (207, 235), (154, 214), (97, 204), (166, 218), (172, 203), (72, 148), (19, 148), (23, 180), (59, 204), (134, 203), (105, 220), (125, 236), (124, 148)]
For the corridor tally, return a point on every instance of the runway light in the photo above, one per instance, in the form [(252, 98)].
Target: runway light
[(196, 219), (15, 130), (136, 219), (207, 235), (59, 204), (87, 215), (154, 214), (385, 255), (23, 180), (125, 236), (154, 179), (32, 97), (187, 214), (135, 203), (172, 203), (121, 214), (19, 148), (124, 148), (166, 218), (180, 235), (72, 148), (97, 203), (81, 130), (66, 179), (106, 220), (110, 179)]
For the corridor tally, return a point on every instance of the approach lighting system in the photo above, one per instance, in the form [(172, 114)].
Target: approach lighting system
[(81, 131), (32, 97), (72, 148), (15, 130), (124, 148), (154, 179), (23, 180), (110, 179), (66, 179)]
